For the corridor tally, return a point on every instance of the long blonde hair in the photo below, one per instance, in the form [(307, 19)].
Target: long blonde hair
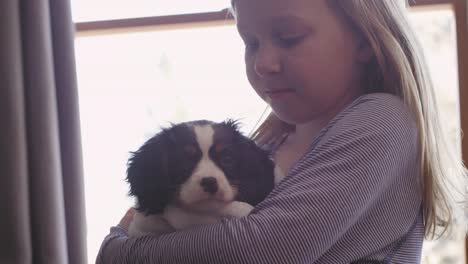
[(398, 68)]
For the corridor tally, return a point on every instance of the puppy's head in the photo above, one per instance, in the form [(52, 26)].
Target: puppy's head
[(197, 165)]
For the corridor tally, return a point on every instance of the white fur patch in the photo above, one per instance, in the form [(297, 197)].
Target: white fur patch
[(191, 192), (152, 224), (181, 219), (176, 218)]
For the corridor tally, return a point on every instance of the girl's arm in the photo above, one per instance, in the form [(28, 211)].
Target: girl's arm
[(359, 183)]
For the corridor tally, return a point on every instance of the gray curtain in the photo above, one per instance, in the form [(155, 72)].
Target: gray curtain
[(42, 215)]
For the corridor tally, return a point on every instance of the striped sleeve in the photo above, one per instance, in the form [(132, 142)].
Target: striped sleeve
[(357, 186)]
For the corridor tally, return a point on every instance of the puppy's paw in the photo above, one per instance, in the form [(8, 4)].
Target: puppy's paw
[(279, 174), (151, 224), (237, 209)]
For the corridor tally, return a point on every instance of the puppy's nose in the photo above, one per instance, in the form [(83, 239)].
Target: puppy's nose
[(209, 185)]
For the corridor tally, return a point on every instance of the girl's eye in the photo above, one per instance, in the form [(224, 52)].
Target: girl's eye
[(289, 42), (251, 47)]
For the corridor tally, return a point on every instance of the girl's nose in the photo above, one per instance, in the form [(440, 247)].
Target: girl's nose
[(267, 61)]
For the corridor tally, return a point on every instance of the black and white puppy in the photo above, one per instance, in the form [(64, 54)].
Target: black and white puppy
[(196, 173)]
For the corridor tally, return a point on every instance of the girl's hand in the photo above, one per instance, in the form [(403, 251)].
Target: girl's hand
[(127, 219)]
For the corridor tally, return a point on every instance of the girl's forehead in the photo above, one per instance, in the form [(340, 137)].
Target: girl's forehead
[(265, 6), (279, 22), (250, 12)]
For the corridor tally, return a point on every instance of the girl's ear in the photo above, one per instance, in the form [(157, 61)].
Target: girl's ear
[(148, 176)]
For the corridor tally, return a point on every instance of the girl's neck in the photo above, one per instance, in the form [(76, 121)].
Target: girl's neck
[(296, 144), (304, 133)]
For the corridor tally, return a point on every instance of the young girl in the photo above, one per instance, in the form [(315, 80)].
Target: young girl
[(354, 124)]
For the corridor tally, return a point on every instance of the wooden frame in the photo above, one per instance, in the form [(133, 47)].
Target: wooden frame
[(223, 17), (461, 16), (155, 23), (188, 20)]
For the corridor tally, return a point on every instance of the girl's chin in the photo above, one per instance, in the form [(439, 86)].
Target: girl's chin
[(293, 118)]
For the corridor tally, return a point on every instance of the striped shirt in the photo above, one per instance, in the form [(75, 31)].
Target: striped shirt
[(354, 197)]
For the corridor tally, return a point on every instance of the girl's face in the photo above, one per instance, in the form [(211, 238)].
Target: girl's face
[(301, 57)]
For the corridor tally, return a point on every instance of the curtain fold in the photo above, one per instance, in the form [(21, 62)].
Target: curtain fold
[(14, 197), (70, 141), (41, 195)]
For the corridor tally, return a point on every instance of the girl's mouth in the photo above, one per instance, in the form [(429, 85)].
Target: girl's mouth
[(279, 92)]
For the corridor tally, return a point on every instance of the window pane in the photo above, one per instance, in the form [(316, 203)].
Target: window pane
[(92, 10), (131, 84), (436, 32)]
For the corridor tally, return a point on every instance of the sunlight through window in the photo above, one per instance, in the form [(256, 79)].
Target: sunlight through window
[(436, 32), (92, 10), (132, 84)]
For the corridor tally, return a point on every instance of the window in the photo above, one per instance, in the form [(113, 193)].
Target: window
[(92, 10), (132, 82), (436, 32)]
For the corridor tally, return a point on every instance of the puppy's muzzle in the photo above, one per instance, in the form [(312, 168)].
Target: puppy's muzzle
[(209, 185)]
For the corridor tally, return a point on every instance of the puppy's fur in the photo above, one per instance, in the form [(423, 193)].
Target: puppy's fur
[(196, 173)]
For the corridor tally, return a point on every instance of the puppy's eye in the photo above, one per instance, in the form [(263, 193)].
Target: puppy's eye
[(227, 160), (219, 148), (190, 150)]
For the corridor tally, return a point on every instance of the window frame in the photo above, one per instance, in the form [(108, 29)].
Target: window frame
[(461, 18), (223, 17)]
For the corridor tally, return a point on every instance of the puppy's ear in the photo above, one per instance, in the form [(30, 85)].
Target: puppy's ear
[(257, 172), (233, 124), (148, 175)]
